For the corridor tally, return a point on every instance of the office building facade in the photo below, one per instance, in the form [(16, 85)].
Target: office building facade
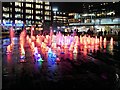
[(27, 13)]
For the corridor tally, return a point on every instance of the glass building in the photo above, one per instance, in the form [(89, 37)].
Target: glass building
[(27, 13)]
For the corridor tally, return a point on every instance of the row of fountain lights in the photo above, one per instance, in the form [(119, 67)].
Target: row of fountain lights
[(51, 42)]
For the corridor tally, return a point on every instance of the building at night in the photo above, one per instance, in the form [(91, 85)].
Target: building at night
[(105, 14), (60, 19), (101, 15), (102, 9), (27, 13)]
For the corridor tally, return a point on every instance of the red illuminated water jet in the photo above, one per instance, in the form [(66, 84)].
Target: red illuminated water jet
[(111, 41)]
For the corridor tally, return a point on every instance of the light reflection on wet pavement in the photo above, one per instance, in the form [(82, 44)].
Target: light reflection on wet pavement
[(75, 71)]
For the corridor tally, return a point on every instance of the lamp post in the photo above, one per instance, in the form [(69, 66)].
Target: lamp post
[(54, 23)]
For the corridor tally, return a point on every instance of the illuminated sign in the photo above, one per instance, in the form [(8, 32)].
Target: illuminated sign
[(7, 24), (19, 25), (11, 24)]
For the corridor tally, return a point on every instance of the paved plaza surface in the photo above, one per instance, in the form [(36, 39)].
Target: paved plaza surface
[(98, 70)]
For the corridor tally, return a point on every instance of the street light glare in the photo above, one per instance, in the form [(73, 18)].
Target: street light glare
[(55, 9)]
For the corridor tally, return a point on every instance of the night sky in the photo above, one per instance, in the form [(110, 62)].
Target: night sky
[(68, 6)]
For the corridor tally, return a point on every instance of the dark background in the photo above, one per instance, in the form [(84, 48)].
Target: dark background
[(68, 6)]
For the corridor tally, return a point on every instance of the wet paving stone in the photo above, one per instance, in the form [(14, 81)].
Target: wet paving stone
[(94, 71)]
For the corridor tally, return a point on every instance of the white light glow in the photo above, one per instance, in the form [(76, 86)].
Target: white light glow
[(55, 9)]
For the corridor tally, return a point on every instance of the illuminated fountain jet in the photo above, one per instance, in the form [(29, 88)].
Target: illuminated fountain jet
[(57, 59), (111, 45), (92, 41), (75, 49), (111, 41), (37, 56), (58, 50), (9, 47), (104, 42), (96, 41), (12, 35), (71, 48), (22, 55), (88, 40), (50, 52), (32, 30), (22, 44), (81, 39), (100, 39), (51, 55)]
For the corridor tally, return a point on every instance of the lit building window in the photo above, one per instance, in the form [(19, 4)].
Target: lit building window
[(47, 18), (8, 21), (41, 6), (18, 10), (32, 21), (6, 15), (41, 2), (18, 21), (47, 13), (29, 0), (10, 9), (4, 20), (38, 6), (32, 16), (64, 19), (11, 3), (18, 4), (22, 4), (47, 3), (38, 17), (28, 5), (18, 16), (37, 12), (41, 12), (29, 11), (32, 0), (10, 15), (28, 22), (20, 0), (28, 16), (47, 7), (5, 9), (38, 1), (111, 13)]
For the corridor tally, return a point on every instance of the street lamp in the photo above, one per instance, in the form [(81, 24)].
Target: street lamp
[(55, 10)]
